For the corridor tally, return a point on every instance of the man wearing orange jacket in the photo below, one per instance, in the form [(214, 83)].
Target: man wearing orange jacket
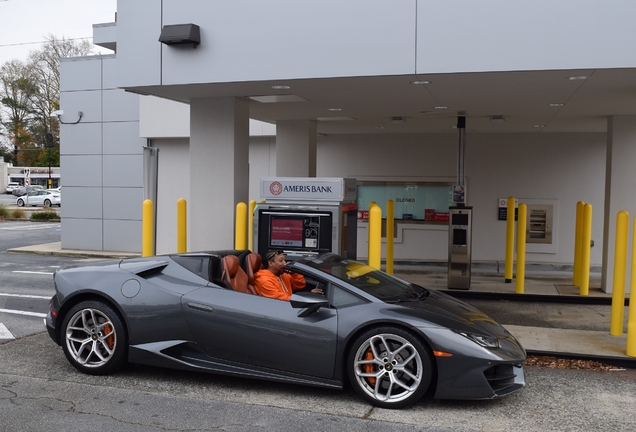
[(274, 282)]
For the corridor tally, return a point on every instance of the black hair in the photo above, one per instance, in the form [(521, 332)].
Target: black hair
[(270, 255)]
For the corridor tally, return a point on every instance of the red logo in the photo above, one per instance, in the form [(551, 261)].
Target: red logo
[(276, 188)]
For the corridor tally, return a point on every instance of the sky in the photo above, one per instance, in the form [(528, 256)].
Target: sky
[(25, 23)]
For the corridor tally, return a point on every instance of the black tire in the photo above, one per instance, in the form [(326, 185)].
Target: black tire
[(389, 367), (47, 203), (94, 338), (20, 203)]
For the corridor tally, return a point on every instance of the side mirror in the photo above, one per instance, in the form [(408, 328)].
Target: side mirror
[(309, 302)]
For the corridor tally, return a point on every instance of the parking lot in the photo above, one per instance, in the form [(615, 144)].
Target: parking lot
[(39, 388)]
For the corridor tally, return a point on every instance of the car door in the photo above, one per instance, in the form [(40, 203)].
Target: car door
[(261, 331), (31, 198)]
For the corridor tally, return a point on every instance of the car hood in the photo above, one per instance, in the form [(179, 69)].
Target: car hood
[(449, 312)]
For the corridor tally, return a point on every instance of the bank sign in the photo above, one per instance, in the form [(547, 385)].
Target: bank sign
[(308, 189)]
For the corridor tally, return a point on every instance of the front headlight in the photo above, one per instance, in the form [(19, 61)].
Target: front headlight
[(485, 341)]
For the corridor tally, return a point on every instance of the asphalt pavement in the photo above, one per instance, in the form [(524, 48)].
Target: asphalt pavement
[(550, 317)]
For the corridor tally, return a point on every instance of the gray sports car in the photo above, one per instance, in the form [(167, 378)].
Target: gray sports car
[(392, 340)]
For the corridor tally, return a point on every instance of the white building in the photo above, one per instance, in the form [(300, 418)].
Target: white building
[(364, 89)]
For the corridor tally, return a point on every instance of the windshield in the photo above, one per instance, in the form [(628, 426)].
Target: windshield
[(374, 282)]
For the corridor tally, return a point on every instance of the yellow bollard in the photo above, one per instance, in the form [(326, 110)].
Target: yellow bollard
[(620, 269), (182, 233), (520, 278), (389, 236), (240, 239), (631, 314), (375, 236), (250, 231), (147, 229), (586, 240), (510, 239), (578, 233)]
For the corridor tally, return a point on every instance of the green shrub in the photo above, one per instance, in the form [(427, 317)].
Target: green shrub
[(17, 214), (4, 211), (44, 215)]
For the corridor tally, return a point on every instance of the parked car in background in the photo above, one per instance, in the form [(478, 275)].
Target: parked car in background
[(23, 190), (11, 186), (41, 197)]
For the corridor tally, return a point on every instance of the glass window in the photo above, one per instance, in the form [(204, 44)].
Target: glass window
[(342, 298)]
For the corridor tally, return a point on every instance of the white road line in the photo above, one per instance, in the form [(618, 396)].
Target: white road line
[(31, 272), (31, 227), (5, 333), (17, 312), (25, 296)]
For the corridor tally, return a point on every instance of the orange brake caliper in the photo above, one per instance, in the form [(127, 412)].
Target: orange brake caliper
[(368, 368), (110, 340)]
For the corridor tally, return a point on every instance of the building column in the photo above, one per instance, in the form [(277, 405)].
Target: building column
[(219, 149), (620, 191), (296, 148)]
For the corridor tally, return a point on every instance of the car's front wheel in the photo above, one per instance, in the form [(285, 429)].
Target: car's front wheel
[(20, 203), (95, 340), (390, 367)]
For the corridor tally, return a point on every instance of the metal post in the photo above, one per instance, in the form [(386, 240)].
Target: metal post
[(510, 239), (182, 234), (620, 269), (250, 233), (578, 234), (521, 249), (240, 238), (375, 236), (631, 314), (389, 235), (584, 289), (147, 229), (461, 128)]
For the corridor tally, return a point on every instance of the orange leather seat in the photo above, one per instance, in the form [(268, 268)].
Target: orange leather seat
[(253, 263), (234, 277)]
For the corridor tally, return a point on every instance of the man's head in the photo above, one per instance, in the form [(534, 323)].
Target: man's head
[(275, 261)]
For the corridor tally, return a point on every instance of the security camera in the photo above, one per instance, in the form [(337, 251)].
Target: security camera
[(57, 113)]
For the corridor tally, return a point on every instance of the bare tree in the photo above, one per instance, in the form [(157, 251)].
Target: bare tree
[(29, 93)]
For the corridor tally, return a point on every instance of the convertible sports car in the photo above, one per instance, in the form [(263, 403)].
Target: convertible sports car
[(392, 340)]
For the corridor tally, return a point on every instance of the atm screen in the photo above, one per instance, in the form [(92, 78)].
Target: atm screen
[(306, 231), (459, 219), (286, 232)]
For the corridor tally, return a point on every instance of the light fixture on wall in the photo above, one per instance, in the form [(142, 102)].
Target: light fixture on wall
[(180, 34), (59, 114)]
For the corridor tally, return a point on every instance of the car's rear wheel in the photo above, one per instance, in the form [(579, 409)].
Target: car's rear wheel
[(390, 367), (20, 203), (95, 340), (47, 203)]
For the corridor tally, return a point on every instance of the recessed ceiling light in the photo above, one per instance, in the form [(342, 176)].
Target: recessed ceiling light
[(281, 87), (423, 82), (334, 109), (379, 127), (398, 119), (556, 104), (577, 78), (441, 107), (539, 126), (497, 118)]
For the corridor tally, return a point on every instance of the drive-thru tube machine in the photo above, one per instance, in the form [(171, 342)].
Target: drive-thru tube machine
[(305, 216)]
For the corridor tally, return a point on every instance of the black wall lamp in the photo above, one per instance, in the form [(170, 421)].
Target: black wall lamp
[(180, 34)]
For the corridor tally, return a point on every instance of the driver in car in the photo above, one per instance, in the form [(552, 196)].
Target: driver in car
[(275, 281)]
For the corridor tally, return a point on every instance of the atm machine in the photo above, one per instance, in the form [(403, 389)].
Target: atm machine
[(307, 216), (459, 246)]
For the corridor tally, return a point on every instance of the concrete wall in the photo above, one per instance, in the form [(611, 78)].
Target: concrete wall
[(101, 158), (368, 37)]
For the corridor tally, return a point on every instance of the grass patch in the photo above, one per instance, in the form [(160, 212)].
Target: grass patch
[(44, 215), (17, 214), (4, 211)]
